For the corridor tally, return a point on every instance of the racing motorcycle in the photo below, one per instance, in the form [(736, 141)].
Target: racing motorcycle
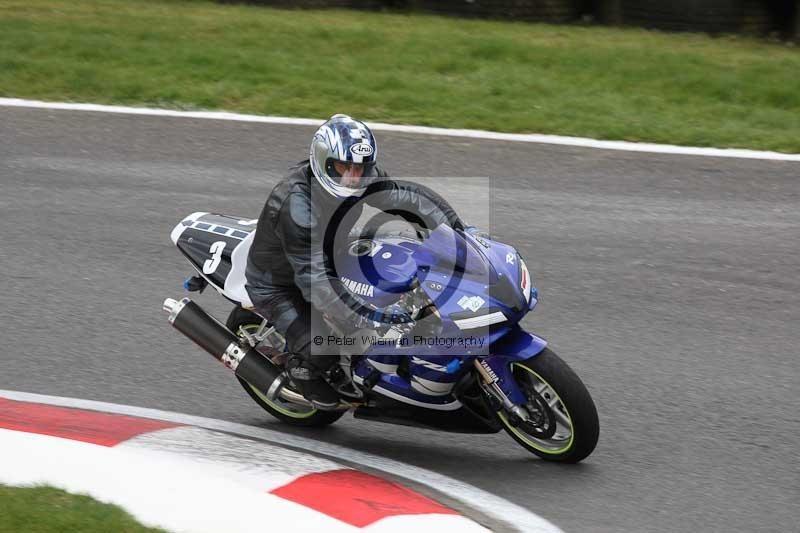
[(463, 365)]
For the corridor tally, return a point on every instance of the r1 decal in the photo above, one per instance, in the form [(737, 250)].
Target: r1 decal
[(210, 266)]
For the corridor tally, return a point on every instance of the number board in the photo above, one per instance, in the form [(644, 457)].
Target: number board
[(209, 240)]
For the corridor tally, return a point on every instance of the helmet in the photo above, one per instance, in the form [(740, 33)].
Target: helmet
[(349, 145)]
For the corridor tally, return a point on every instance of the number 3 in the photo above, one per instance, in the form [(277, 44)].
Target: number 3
[(210, 266)]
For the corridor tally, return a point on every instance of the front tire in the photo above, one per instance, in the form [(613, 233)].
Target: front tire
[(294, 415), (563, 424)]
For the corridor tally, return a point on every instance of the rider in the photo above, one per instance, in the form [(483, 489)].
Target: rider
[(289, 277)]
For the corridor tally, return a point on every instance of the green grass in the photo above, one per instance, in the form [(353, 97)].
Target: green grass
[(596, 82), (49, 510)]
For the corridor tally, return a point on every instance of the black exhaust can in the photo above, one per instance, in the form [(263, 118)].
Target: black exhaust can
[(191, 320)]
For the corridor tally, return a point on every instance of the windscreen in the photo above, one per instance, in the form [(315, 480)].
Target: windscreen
[(449, 252)]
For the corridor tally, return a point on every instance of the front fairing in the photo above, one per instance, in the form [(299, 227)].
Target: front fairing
[(448, 251), (514, 346), (478, 289), (473, 281)]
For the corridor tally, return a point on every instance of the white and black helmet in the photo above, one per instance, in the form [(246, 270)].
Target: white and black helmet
[(344, 140)]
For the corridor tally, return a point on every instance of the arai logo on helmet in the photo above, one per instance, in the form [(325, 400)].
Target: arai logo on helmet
[(361, 149)]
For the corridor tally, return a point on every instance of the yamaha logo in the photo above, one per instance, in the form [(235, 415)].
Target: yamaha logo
[(362, 289), (361, 149)]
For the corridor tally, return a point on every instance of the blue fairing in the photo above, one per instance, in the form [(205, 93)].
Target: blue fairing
[(516, 345), (470, 280)]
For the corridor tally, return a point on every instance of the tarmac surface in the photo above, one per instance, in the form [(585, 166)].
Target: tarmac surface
[(669, 283)]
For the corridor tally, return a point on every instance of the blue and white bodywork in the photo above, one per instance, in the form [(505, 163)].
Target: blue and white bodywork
[(476, 290), (480, 289), (463, 365)]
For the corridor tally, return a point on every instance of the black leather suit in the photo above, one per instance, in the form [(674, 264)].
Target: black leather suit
[(288, 278)]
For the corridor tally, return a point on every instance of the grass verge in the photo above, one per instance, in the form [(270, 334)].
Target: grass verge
[(50, 510), (605, 83)]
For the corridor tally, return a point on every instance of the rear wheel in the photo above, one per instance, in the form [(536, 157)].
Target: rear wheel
[(562, 424), (242, 321)]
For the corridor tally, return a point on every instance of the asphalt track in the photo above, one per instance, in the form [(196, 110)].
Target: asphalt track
[(670, 283)]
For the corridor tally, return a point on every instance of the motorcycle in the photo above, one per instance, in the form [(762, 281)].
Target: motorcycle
[(463, 365)]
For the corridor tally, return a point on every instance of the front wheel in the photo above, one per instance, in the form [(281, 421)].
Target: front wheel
[(562, 425), (242, 320)]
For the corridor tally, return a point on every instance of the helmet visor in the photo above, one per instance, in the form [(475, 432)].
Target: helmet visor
[(349, 174)]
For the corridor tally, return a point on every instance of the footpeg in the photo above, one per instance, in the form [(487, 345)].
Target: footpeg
[(372, 379), (350, 391)]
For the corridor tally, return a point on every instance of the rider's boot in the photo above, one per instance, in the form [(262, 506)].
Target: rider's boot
[(310, 383)]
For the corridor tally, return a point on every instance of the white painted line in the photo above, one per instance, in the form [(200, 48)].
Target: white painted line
[(484, 502), (579, 142)]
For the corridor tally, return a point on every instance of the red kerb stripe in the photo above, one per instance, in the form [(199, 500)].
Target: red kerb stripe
[(88, 426), (357, 498)]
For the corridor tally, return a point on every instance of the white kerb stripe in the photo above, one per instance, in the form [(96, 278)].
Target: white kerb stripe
[(537, 138)]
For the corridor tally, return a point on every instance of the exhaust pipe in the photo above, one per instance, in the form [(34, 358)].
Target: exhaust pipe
[(190, 319)]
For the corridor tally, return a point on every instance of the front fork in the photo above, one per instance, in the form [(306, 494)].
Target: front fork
[(504, 390)]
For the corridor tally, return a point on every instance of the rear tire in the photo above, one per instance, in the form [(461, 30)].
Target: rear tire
[(301, 417), (574, 429)]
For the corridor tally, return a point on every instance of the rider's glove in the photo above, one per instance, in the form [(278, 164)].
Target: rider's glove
[(379, 319), (393, 314)]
